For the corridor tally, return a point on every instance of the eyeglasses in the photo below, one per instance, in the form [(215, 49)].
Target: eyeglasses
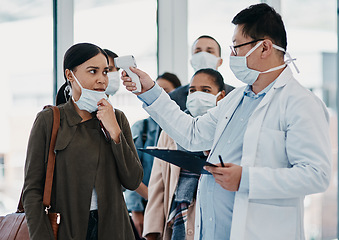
[(233, 48)]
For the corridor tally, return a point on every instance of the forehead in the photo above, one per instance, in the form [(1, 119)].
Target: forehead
[(205, 43), (98, 60), (203, 79), (111, 61), (238, 36), (163, 81)]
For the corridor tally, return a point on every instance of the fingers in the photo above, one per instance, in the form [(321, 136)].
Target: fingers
[(145, 81), (218, 170), (104, 106), (103, 102), (229, 164), (138, 72), (215, 170), (127, 82)]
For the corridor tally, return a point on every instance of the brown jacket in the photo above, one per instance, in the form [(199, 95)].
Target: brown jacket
[(84, 160), (161, 188)]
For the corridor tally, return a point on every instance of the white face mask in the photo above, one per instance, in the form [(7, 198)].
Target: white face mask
[(203, 60), (199, 102), (113, 83), (89, 98), (238, 65)]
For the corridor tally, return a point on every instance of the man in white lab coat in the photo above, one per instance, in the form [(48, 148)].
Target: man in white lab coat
[(272, 134)]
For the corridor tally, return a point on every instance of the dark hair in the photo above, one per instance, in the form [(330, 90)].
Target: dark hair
[(207, 36), (217, 77), (80, 53), (111, 55), (260, 21), (171, 78), (62, 95)]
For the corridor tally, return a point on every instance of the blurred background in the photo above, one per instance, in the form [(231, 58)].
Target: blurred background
[(159, 34)]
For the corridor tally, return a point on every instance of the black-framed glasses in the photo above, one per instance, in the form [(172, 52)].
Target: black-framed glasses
[(233, 48)]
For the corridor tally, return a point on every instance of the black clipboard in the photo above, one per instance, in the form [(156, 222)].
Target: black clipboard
[(187, 160)]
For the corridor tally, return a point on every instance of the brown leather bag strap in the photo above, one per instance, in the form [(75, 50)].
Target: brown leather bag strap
[(50, 162), (51, 158)]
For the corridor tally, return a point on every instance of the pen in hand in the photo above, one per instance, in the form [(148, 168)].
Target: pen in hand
[(221, 162)]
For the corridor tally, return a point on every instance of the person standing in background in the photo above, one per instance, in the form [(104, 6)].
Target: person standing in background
[(170, 210), (206, 53)]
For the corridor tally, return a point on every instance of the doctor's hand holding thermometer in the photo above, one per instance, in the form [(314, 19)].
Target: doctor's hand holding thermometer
[(145, 80)]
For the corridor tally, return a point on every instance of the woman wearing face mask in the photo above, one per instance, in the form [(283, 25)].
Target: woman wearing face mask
[(95, 156), (171, 191), (64, 92)]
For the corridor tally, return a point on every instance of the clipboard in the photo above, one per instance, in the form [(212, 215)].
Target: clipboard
[(190, 161)]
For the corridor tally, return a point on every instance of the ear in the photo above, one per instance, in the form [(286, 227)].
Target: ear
[(221, 96), (69, 75), (267, 48), (220, 61)]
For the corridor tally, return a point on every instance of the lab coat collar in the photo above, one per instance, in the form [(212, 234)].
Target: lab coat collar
[(283, 78), (280, 82)]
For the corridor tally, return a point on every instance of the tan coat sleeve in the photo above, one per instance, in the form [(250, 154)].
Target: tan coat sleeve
[(156, 210)]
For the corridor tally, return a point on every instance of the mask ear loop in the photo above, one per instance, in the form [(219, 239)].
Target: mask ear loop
[(253, 49), (289, 58), (67, 91), (216, 97)]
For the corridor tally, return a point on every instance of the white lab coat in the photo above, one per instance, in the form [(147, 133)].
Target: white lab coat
[(286, 147)]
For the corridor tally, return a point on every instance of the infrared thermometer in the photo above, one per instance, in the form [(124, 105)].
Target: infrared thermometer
[(125, 62)]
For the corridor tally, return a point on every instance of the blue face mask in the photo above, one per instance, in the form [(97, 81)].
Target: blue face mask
[(89, 98), (113, 83), (238, 65)]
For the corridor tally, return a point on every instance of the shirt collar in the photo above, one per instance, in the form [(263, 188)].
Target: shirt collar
[(249, 93)]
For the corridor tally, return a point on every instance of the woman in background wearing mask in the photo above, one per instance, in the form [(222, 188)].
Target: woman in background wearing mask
[(113, 74), (95, 156), (170, 210)]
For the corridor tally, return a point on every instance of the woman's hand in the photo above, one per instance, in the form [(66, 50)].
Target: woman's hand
[(107, 116), (138, 220), (146, 82), (153, 236)]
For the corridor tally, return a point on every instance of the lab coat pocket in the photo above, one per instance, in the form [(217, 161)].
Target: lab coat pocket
[(267, 222)]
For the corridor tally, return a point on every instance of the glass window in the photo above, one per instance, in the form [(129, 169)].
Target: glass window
[(2, 166), (214, 18), (26, 67), (106, 24)]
